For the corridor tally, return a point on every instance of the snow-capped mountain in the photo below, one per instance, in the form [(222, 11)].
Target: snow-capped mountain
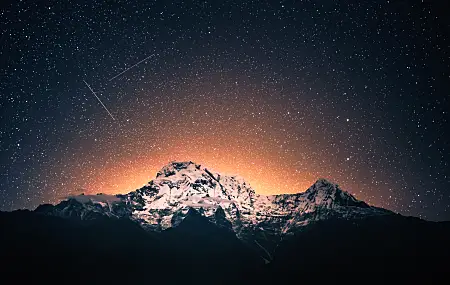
[(227, 201)]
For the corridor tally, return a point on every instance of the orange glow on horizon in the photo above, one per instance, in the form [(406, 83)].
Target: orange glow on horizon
[(248, 134), (264, 178)]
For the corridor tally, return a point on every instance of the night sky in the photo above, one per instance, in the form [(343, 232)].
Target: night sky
[(280, 93)]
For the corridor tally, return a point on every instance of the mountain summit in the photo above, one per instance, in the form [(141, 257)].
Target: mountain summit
[(227, 201)]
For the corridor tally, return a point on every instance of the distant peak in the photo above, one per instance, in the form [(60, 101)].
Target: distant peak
[(323, 181), (322, 185), (175, 166)]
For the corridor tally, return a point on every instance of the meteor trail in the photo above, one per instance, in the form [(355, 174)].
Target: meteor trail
[(99, 99), (132, 66)]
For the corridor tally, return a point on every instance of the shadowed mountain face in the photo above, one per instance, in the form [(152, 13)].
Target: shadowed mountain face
[(38, 248), (384, 245), (103, 251), (228, 201), (194, 226)]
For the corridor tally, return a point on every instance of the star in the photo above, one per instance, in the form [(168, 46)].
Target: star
[(268, 97)]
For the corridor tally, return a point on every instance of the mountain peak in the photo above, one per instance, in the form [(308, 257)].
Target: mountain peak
[(323, 185), (324, 182), (228, 201), (329, 194), (176, 166)]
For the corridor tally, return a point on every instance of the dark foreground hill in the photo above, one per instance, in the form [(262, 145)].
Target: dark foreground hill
[(46, 249)]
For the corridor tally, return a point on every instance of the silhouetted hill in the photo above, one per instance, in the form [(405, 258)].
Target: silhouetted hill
[(376, 247), (45, 249)]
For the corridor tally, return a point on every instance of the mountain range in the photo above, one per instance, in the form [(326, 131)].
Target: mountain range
[(192, 224)]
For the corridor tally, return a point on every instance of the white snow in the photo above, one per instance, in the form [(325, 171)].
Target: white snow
[(182, 185)]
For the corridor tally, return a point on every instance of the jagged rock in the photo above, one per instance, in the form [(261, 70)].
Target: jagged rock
[(227, 201)]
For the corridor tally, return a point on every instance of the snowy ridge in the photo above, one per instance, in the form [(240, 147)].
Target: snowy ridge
[(227, 201), (183, 185)]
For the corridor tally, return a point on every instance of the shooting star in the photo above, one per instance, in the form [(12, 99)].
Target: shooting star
[(99, 99), (132, 67)]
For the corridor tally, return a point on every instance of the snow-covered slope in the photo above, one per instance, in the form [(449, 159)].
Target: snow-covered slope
[(227, 201)]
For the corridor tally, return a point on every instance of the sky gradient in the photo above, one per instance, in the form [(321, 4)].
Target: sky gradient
[(280, 93)]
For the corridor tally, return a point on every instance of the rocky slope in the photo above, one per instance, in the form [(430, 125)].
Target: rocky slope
[(227, 201)]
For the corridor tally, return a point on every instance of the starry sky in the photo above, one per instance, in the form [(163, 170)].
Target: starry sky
[(278, 92)]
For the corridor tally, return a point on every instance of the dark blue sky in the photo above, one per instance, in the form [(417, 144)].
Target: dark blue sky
[(279, 92)]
